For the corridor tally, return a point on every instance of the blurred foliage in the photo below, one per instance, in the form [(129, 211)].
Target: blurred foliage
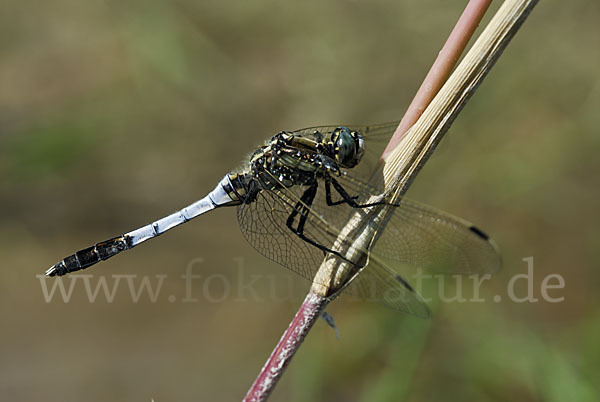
[(115, 113)]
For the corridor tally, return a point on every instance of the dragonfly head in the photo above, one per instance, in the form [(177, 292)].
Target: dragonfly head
[(348, 147)]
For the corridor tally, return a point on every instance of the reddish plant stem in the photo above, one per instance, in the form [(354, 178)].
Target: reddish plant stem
[(307, 315), (441, 68)]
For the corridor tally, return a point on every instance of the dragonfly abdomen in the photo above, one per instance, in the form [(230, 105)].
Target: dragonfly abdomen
[(224, 194), (90, 256)]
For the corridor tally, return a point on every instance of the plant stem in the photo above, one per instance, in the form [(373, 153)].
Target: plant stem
[(441, 68), (406, 153), (307, 315)]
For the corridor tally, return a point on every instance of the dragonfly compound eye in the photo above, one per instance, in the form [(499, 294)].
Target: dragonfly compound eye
[(348, 147)]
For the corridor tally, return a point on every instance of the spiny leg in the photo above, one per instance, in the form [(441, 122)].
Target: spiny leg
[(305, 201), (328, 199), (302, 207), (346, 198)]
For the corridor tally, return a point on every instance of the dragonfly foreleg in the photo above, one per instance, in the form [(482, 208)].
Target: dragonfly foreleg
[(328, 199), (346, 198), (302, 207)]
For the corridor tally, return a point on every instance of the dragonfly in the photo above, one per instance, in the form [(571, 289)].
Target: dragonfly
[(293, 197)]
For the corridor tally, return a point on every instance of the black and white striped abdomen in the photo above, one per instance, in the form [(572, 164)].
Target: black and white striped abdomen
[(222, 195)]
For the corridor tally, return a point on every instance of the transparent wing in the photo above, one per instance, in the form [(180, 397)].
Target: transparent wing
[(417, 239), (423, 237), (374, 131), (379, 283), (434, 241), (263, 223)]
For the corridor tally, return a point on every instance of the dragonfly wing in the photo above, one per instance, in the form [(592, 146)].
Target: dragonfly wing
[(379, 283), (263, 224), (434, 241), (384, 130), (420, 236)]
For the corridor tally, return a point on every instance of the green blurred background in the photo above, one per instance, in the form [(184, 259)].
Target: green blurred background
[(114, 113)]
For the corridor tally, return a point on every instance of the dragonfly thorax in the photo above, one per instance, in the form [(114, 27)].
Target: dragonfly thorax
[(292, 160), (289, 159)]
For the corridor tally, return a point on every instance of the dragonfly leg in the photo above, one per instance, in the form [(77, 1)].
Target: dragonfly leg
[(302, 207), (345, 196), (328, 196), (305, 201)]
